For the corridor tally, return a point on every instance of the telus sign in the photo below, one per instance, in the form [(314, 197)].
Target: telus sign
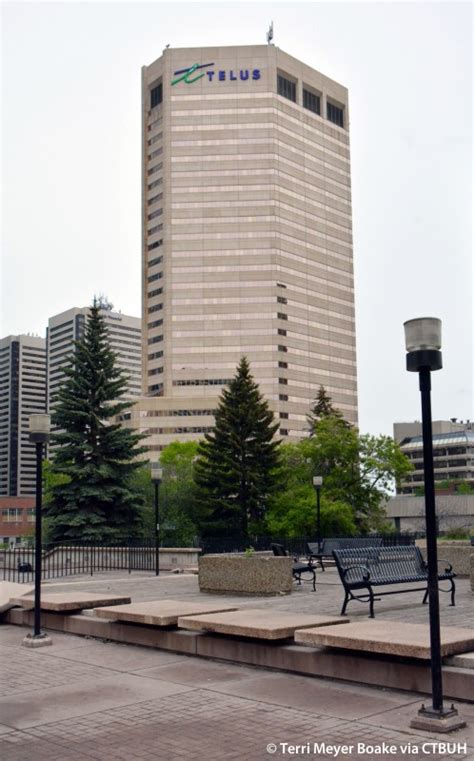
[(188, 75)]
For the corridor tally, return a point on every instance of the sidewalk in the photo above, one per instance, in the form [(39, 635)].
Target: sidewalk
[(84, 699)]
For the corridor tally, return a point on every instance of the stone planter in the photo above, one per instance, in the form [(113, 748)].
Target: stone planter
[(237, 574), (458, 552)]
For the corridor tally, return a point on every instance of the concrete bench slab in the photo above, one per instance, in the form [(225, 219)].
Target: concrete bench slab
[(159, 612), (259, 623), (67, 601), (389, 637), (10, 591)]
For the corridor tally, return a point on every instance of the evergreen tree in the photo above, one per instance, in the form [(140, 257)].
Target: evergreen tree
[(322, 408), (238, 461), (94, 499)]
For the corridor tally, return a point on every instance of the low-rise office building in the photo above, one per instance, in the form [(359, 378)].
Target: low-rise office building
[(453, 453)]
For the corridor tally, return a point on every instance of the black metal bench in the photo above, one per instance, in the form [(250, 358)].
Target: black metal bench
[(374, 567), (298, 568), (347, 543)]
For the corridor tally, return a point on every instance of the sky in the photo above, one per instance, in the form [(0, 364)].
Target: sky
[(70, 172)]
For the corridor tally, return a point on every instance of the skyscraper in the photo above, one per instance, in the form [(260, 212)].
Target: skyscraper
[(22, 393), (247, 236), (67, 327)]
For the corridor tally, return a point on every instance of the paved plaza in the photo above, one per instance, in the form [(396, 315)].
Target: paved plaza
[(87, 699)]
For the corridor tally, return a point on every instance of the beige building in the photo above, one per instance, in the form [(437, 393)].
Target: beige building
[(67, 327), (22, 393), (453, 453), (247, 237)]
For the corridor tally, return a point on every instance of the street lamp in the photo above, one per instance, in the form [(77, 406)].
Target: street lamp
[(317, 483), (423, 344), (156, 477), (40, 428)]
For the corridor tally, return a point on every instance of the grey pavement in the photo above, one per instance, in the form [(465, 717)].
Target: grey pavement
[(82, 699)]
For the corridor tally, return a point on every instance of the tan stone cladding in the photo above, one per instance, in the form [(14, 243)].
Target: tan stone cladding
[(247, 232)]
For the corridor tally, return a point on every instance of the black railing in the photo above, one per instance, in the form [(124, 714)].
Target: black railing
[(77, 558), (294, 545)]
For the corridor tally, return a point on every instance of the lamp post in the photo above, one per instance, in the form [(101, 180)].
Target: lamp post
[(156, 477), (40, 429), (423, 344), (317, 483)]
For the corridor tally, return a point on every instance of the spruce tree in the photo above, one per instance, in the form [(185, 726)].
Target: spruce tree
[(94, 500), (238, 461), (322, 407)]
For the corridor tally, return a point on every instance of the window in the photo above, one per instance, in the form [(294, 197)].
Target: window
[(156, 292), (156, 95), (204, 382), (155, 183), (158, 260), (283, 381), (311, 101), (155, 339), (283, 397), (155, 199), (284, 365), (286, 87), (156, 389), (282, 316), (283, 431), (282, 300), (155, 214), (156, 371), (155, 138), (155, 308), (156, 276), (156, 153), (284, 415), (155, 168), (335, 114), (155, 324), (155, 355), (282, 348), (281, 331), (156, 244), (155, 229)]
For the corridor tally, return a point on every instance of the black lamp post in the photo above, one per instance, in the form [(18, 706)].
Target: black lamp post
[(40, 429), (156, 477), (423, 344), (317, 483)]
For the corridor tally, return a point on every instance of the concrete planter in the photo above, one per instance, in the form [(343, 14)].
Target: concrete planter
[(242, 575), (458, 552)]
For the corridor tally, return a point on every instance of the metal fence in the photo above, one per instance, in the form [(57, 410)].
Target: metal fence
[(294, 545), (69, 559)]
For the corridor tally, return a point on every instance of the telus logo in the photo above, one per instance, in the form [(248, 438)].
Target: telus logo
[(186, 75)]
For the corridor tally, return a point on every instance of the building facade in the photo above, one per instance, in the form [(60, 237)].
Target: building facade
[(22, 393), (453, 454), (247, 236), (67, 327)]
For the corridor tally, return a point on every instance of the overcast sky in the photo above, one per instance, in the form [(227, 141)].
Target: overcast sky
[(71, 164)]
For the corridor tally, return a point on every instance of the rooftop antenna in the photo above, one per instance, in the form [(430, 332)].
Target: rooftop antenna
[(270, 34)]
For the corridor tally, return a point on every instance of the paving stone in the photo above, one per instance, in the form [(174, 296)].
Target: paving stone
[(392, 638), (257, 623), (159, 612), (65, 601)]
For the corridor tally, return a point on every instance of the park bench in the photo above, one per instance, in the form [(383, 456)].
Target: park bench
[(328, 545), (298, 567), (365, 568)]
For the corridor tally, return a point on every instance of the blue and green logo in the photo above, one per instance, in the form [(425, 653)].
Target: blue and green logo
[(188, 75), (184, 74)]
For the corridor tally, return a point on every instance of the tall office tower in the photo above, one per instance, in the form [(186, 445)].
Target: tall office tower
[(125, 339), (247, 239), (22, 393)]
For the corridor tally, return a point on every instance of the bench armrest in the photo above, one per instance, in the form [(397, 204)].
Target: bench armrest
[(366, 576), (448, 569)]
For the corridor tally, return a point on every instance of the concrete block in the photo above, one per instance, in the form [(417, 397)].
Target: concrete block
[(389, 637), (257, 623)]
